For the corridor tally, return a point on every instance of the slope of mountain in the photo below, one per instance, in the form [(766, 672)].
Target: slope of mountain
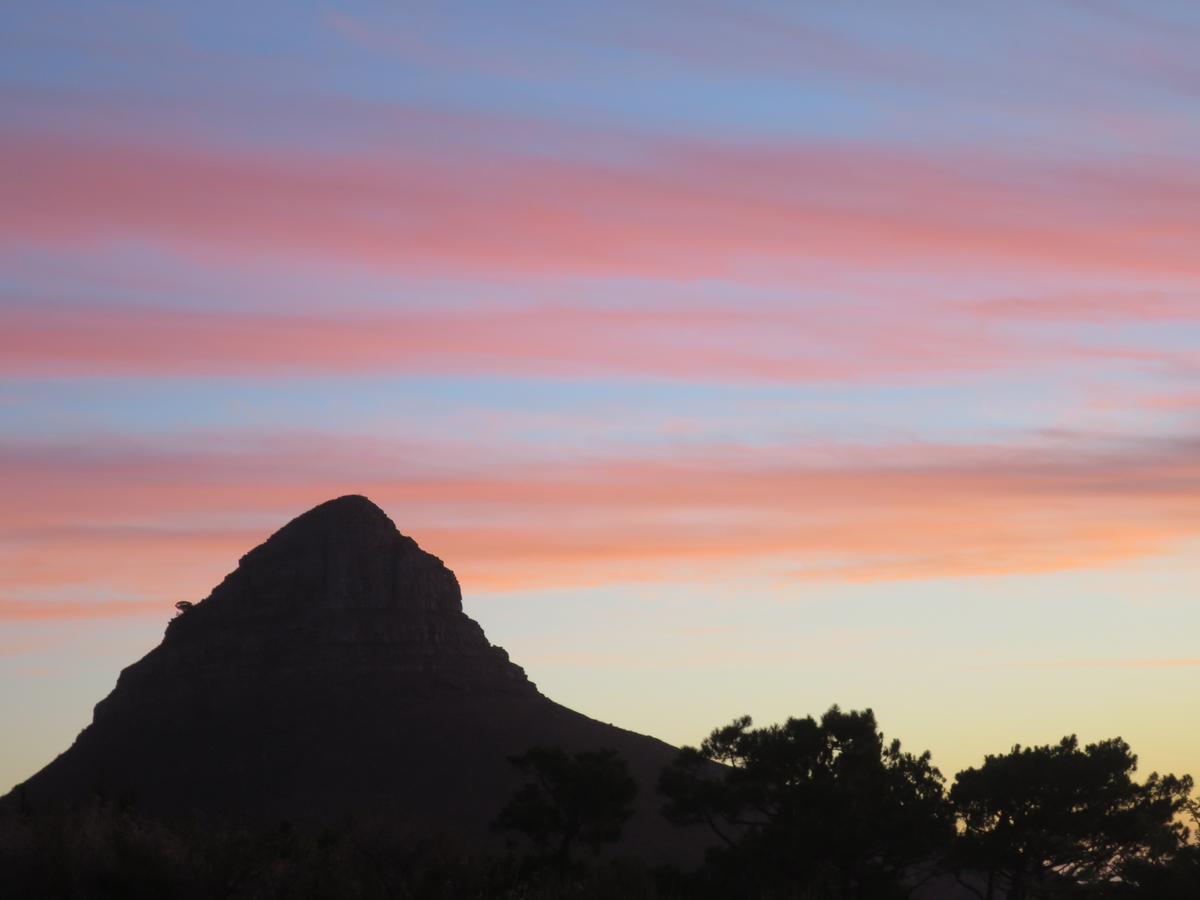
[(333, 676)]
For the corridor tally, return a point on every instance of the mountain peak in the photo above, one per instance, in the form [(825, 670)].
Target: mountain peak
[(332, 674), (343, 520), (346, 506), (342, 556), (335, 599)]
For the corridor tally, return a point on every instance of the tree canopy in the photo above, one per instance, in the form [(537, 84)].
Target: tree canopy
[(569, 799), (830, 806), (1061, 814)]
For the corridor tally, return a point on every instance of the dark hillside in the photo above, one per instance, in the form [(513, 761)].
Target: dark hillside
[(334, 676)]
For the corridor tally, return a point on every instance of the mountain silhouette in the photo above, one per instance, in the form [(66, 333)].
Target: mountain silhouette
[(333, 676)]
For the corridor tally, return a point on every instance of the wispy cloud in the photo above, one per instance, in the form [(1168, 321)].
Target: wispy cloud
[(696, 343), (850, 514), (1096, 306), (673, 208), (39, 611)]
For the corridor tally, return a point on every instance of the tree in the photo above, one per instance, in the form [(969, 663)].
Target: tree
[(1040, 819), (568, 799), (1174, 878), (830, 807)]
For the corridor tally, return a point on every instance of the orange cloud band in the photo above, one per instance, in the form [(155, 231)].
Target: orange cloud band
[(890, 513)]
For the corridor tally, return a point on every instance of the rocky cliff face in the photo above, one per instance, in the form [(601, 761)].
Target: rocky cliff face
[(333, 674), (338, 597)]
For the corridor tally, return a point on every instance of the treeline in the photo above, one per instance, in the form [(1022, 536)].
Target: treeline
[(830, 809), (810, 809)]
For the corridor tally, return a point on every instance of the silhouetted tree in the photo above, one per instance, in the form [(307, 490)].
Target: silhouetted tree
[(1039, 820), (828, 806), (568, 799), (1174, 878)]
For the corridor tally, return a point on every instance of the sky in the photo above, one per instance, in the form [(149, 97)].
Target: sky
[(738, 357)]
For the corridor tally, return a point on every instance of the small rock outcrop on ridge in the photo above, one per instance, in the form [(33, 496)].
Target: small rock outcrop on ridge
[(333, 675)]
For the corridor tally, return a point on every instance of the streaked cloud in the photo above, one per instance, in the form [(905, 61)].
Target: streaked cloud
[(715, 344), (793, 319), (671, 209), (845, 514), (32, 611)]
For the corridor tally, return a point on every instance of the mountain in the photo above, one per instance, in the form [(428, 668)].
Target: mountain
[(333, 676)]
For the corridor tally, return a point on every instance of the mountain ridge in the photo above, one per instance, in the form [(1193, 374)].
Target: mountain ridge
[(334, 674)]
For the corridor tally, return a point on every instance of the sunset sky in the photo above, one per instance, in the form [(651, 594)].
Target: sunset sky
[(739, 358)]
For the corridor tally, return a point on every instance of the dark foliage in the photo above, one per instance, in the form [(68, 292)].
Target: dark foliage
[(829, 808), (103, 853), (806, 810), (1041, 821), (569, 799)]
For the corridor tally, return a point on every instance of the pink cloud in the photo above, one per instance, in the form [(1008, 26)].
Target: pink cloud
[(1178, 402), (698, 343), (1098, 306), (879, 514), (37, 611), (676, 210)]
